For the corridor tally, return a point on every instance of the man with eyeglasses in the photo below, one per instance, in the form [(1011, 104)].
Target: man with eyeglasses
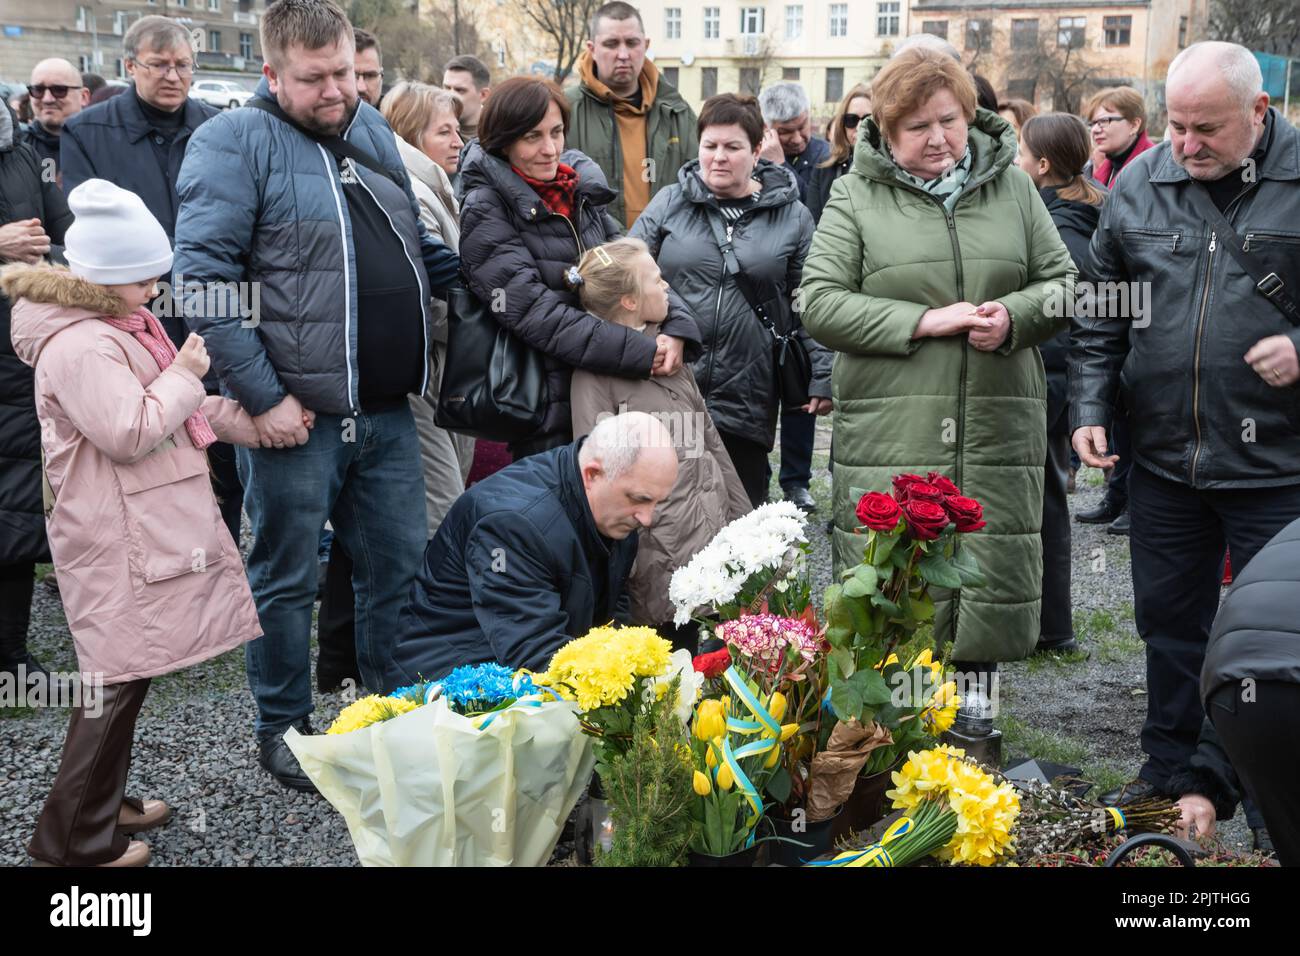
[(57, 94), (369, 67), (137, 140)]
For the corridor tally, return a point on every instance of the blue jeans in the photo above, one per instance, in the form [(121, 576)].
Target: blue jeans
[(363, 475)]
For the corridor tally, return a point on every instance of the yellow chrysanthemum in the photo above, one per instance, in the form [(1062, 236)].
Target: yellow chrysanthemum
[(369, 710), (601, 667)]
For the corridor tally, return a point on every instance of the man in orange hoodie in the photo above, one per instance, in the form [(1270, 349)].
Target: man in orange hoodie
[(624, 116)]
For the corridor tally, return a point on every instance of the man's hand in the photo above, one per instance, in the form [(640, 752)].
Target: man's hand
[(1198, 817), (668, 355), (818, 406), (950, 320), (770, 147), (23, 241), (1274, 360), (282, 426), (1089, 443), (992, 327)]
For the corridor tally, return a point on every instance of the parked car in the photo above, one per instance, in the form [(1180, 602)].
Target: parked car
[(220, 93)]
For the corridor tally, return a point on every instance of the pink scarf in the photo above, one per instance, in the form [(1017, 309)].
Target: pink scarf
[(144, 326)]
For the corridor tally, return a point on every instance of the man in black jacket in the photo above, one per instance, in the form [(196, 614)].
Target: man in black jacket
[(1209, 371), (536, 554), (57, 95), (33, 217)]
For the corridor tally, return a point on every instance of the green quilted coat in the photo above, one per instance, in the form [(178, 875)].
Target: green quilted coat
[(885, 252)]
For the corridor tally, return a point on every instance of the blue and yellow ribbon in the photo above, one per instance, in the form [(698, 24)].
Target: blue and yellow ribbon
[(731, 757), (876, 854)]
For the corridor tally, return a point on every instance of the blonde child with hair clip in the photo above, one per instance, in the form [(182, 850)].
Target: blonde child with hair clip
[(619, 282)]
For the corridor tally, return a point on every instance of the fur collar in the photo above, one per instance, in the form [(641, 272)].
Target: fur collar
[(57, 286)]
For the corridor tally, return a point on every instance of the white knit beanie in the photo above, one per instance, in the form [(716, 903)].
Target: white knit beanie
[(115, 238)]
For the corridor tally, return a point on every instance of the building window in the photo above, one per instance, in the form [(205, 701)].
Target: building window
[(790, 74), (670, 76), (1118, 30), (750, 81), (214, 5), (84, 20), (182, 3), (708, 82), (120, 66), (839, 19), (83, 63), (979, 35), (834, 84), (246, 45), (672, 23), (1182, 32), (501, 57), (886, 18), (1069, 32), (214, 41), (751, 20), (1024, 34), (936, 28), (712, 23), (794, 21)]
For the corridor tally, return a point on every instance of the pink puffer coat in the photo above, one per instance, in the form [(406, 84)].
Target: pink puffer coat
[(150, 578)]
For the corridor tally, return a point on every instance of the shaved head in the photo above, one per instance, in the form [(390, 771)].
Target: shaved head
[(52, 111)]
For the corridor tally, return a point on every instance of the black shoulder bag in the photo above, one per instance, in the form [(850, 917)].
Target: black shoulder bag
[(493, 385), (1270, 286), (793, 365)]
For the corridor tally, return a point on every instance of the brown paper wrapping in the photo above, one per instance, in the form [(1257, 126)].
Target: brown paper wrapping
[(835, 770)]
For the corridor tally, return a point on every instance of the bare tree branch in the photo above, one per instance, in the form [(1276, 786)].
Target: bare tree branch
[(565, 23)]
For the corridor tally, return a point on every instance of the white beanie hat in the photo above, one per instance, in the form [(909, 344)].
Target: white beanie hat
[(115, 238)]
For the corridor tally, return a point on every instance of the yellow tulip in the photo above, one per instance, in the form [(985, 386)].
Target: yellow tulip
[(776, 706), (710, 758), (773, 756), (710, 720), (725, 778), (701, 784), (788, 731)]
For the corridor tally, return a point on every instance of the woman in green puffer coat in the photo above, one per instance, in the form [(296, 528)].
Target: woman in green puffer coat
[(934, 272)]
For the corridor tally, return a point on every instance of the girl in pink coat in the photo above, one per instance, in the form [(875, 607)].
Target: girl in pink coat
[(150, 578)]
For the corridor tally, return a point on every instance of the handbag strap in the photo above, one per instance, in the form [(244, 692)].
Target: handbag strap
[(1270, 286), (337, 145), (732, 265)]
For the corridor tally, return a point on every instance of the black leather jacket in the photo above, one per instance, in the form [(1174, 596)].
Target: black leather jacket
[(1200, 414)]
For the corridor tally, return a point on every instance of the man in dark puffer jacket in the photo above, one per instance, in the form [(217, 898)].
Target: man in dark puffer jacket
[(536, 554), (1250, 687), (33, 215)]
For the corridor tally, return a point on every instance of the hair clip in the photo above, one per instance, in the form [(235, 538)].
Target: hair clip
[(573, 277), (603, 256)]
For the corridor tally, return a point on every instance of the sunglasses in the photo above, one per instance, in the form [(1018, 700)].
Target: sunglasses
[(851, 120), (58, 91)]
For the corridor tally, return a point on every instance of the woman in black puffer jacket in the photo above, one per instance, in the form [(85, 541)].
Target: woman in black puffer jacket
[(755, 204), (527, 217), (24, 195)]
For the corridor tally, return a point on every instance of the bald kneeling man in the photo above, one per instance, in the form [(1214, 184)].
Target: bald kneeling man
[(536, 554)]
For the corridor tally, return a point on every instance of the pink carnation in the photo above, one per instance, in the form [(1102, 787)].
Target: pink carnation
[(763, 638)]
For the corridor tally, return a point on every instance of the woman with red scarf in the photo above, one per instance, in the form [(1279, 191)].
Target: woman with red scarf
[(530, 211), (1118, 119)]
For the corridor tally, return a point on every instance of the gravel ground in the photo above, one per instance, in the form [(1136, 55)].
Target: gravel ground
[(195, 749)]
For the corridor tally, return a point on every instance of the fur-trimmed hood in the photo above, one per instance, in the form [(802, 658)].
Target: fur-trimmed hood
[(47, 300)]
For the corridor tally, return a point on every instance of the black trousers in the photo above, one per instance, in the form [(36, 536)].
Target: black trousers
[(1260, 739), (750, 459), (227, 486), (1121, 444), (17, 582), (1177, 540), (336, 635), (798, 433), (1057, 624), (78, 825)]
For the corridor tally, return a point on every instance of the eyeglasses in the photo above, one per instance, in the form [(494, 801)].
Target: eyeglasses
[(56, 90), (851, 120), (1104, 121), (160, 70), (369, 76)]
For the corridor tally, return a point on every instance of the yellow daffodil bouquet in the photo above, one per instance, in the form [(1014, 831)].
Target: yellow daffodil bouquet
[(614, 674), (953, 809)]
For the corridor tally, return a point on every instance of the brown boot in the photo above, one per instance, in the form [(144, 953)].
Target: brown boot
[(137, 854), (154, 814)]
